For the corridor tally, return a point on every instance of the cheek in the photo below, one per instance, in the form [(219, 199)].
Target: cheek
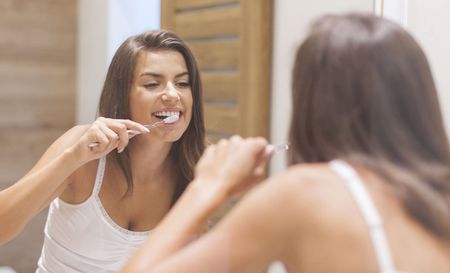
[(189, 103), (141, 105)]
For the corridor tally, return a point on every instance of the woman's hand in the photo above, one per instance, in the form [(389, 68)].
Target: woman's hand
[(109, 134), (232, 166)]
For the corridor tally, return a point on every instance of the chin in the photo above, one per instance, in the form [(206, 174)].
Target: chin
[(172, 139), (172, 136)]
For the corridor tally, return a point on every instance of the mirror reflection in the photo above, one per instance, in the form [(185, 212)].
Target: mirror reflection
[(80, 78)]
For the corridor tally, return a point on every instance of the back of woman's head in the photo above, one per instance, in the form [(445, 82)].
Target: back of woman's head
[(363, 91)]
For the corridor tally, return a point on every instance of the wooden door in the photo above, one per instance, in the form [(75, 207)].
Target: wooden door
[(231, 39)]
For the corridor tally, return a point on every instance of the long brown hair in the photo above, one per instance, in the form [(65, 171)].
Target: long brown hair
[(363, 91), (115, 102)]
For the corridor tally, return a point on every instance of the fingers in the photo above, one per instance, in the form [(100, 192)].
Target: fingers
[(255, 146), (122, 136), (250, 152), (221, 148), (101, 137), (110, 134), (207, 156), (96, 136), (263, 151), (113, 133), (134, 126), (124, 126), (232, 165)]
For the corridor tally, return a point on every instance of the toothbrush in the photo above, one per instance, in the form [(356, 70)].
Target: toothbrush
[(168, 120), (272, 149), (131, 133)]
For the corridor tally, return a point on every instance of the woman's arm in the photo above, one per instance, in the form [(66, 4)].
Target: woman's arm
[(51, 174), (20, 202), (244, 242)]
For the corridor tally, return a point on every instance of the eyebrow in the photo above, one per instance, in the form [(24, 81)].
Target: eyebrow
[(156, 75)]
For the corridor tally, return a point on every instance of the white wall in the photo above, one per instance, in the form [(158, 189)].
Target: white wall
[(291, 22), (103, 26), (92, 63), (429, 22), (130, 17)]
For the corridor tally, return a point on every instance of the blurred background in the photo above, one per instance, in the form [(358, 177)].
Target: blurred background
[(54, 55)]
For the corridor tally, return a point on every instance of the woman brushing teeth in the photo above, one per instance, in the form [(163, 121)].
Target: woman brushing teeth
[(106, 208)]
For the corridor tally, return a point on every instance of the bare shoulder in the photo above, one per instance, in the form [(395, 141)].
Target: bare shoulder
[(314, 211), (82, 179), (297, 216), (301, 205), (315, 183), (298, 187), (77, 189), (313, 191), (310, 195), (298, 201), (306, 184)]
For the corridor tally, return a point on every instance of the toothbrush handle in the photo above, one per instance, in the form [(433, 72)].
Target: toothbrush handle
[(156, 124), (272, 149)]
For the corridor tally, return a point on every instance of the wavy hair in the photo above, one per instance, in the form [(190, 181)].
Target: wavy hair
[(363, 91), (115, 102)]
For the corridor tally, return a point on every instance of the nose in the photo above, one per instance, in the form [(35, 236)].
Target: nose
[(170, 93)]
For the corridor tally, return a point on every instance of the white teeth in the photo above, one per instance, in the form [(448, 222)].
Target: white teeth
[(167, 114)]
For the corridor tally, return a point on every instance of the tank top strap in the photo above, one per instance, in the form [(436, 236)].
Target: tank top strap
[(99, 176), (368, 211)]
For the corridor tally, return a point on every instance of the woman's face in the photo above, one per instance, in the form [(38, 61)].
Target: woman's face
[(161, 88)]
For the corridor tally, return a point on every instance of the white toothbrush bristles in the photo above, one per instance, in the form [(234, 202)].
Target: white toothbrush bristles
[(171, 119)]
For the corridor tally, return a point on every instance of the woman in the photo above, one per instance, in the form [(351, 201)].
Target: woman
[(105, 209), (368, 189)]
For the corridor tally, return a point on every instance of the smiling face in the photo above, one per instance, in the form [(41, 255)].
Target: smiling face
[(161, 88)]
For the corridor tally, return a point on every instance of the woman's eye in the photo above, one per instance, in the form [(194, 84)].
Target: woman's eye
[(184, 84), (151, 85)]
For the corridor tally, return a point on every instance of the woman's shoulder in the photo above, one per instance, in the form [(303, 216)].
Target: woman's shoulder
[(306, 201), (82, 179), (313, 208), (313, 180), (313, 191), (82, 183), (70, 137), (303, 183)]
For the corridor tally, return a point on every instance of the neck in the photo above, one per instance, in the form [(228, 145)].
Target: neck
[(149, 158)]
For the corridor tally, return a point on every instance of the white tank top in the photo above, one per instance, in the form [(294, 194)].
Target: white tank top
[(83, 238), (369, 213)]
